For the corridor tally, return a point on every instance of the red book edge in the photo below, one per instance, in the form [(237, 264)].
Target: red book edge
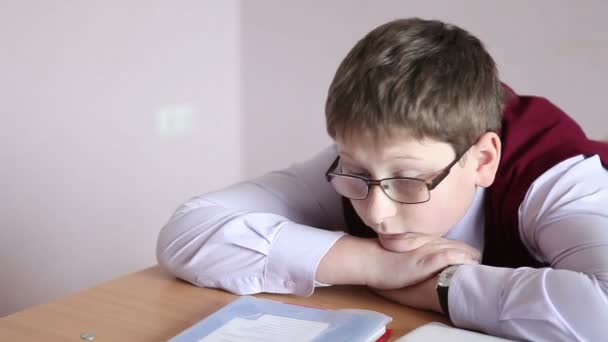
[(386, 335)]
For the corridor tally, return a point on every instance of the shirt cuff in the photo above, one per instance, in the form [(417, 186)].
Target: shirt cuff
[(474, 296), (294, 257)]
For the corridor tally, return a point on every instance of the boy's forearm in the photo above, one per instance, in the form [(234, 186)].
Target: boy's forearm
[(422, 295), (351, 260)]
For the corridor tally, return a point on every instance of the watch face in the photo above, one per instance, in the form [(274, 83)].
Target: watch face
[(446, 275)]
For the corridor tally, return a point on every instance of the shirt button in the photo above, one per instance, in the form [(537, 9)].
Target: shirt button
[(290, 284)]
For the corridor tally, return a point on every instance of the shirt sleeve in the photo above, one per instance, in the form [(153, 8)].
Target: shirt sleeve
[(263, 235), (563, 222)]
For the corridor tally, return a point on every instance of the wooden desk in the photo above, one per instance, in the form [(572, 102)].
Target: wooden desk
[(152, 306)]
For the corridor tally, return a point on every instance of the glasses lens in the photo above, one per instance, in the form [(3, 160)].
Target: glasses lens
[(349, 187), (406, 190)]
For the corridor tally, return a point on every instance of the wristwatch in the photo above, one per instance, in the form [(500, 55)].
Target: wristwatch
[(443, 286)]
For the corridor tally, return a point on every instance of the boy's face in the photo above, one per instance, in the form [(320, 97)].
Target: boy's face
[(404, 156)]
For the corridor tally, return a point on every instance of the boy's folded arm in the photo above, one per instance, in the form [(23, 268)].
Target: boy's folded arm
[(256, 236), (564, 222), (243, 253)]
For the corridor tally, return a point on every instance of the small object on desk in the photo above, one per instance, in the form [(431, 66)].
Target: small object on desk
[(439, 332), (88, 336), (263, 320)]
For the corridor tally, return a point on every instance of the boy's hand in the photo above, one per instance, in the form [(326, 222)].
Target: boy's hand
[(359, 261), (425, 257), (406, 242)]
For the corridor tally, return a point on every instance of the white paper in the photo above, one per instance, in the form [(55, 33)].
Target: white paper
[(438, 332), (267, 328)]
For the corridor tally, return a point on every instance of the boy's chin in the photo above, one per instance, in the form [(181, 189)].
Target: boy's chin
[(396, 245)]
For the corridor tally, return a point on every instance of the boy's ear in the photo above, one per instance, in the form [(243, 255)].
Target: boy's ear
[(487, 157)]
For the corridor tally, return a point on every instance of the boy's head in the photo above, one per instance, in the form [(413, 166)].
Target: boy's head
[(433, 79), (409, 98)]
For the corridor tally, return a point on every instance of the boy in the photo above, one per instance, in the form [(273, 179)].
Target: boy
[(457, 195)]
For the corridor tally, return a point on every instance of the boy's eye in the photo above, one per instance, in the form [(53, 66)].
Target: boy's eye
[(355, 173), (416, 175)]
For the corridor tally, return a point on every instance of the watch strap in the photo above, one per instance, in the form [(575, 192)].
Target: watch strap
[(443, 287), (442, 293)]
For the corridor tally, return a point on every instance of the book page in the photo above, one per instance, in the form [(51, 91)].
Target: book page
[(439, 332), (267, 328)]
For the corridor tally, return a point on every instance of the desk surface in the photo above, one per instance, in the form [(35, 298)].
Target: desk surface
[(152, 306)]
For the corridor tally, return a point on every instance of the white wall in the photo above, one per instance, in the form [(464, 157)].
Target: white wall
[(112, 113), (557, 49)]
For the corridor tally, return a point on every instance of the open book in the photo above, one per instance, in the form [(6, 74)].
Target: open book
[(254, 319)]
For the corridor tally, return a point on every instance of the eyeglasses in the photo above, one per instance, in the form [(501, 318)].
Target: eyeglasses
[(405, 190)]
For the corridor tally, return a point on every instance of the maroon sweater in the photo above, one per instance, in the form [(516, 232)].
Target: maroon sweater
[(536, 135)]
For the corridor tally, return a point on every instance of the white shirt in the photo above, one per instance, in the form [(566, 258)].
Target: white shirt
[(269, 235)]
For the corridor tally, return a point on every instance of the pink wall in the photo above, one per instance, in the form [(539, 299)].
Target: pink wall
[(113, 113)]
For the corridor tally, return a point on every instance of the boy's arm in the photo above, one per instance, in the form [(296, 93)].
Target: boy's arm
[(259, 235), (563, 221), (359, 261)]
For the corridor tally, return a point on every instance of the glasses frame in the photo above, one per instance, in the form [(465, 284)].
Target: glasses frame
[(430, 185)]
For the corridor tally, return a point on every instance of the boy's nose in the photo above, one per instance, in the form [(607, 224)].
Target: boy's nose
[(379, 208)]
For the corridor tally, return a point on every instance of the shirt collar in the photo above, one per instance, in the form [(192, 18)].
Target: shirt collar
[(470, 228)]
